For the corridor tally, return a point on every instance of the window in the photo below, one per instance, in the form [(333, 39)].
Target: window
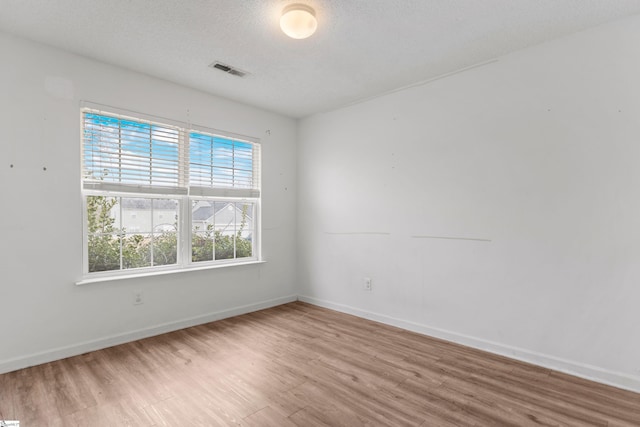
[(163, 195)]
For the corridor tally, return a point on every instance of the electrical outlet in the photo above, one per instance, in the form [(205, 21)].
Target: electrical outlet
[(137, 298), (367, 283)]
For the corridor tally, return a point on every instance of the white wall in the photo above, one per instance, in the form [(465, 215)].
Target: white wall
[(43, 314), (539, 154)]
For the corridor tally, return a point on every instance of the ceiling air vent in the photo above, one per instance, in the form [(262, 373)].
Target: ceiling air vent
[(228, 69)]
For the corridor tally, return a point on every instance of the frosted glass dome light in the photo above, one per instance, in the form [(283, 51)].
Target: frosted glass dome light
[(298, 21)]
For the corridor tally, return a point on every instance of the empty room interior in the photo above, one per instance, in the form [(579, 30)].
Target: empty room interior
[(320, 212)]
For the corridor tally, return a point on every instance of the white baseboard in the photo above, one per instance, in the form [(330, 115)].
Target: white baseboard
[(84, 347), (589, 372)]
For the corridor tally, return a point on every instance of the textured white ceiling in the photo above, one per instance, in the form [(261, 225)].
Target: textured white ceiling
[(362, 47)]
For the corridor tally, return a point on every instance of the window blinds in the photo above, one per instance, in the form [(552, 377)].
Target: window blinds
[(126, 154), (220, 166)]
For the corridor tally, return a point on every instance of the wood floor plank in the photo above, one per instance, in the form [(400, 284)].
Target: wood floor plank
[(8, 394), (511, 410), (32, 400), (267, 417), (299, 364), (327, 408), (123, 413)]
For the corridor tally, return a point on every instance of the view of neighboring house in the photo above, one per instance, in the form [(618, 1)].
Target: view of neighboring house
[(138, 215), (145, 215), (226, 217)]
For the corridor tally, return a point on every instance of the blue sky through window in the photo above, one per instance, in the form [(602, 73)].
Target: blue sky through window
[(127, 151), (215, 161)]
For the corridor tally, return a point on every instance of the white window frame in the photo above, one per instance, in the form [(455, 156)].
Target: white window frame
[(185, 223)]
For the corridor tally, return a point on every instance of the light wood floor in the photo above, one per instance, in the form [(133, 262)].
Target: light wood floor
[(306, 366)]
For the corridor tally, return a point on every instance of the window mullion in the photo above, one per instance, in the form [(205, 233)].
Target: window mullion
[(85, 233), (185, 231), (120, 231), (153, 240), (235, 230)]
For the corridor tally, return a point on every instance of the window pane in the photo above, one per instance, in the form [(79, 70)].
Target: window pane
[(221, 230), (136, 250), (165, 248), (202, 217), (104, 252), (225, 216), (103, 214), (200, 159), (202, 246), (243, 165), (165, 215), (245, 216), (131, 232), (165, 155), (219, 162), (244, 248), (244, 234), (224, 245), (136, 215), (165, 227), (103, 242)]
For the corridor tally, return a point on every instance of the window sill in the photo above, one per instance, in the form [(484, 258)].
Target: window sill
[(88, 280)]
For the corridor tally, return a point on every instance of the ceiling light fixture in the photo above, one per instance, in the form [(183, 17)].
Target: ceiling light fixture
[(298, 21)]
